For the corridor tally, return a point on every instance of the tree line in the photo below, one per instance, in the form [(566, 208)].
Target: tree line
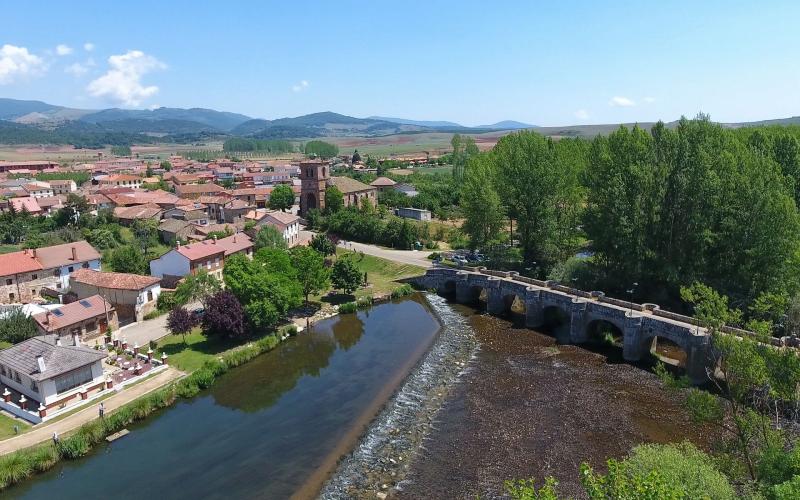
[(659, 209)]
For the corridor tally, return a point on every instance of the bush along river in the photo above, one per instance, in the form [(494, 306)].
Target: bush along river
[(272, 428)]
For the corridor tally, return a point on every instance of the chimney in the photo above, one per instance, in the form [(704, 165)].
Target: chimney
[(47, 317), (74, 253), (178, 244), (40, 362), (76, 339), (34, 253), (215, 239)]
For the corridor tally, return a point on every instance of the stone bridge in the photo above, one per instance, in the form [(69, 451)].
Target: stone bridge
[(639, 323)]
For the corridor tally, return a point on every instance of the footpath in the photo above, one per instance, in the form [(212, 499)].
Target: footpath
[(44, 432)]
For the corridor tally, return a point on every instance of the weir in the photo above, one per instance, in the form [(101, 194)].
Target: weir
[(639, 323)]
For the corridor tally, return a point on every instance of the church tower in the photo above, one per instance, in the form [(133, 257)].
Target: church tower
[(314, 176)]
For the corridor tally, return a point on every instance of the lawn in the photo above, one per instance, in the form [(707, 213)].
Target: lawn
[(7, 426), (382, 274), (9, 248), (198, 348)]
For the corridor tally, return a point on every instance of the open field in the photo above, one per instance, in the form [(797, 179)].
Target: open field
[(436, 143)]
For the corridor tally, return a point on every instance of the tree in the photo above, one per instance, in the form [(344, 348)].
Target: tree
[(356, 157), (321, 149), (269, 237), (127, 259), (146, 233), (180, 322), (197, 287), (16, 326), (311, 271), (166, 165), (223, 315), (334, 200), (281, 197), (323, 244), (121, 151), (481, 203), (266, 286), (345, 275)]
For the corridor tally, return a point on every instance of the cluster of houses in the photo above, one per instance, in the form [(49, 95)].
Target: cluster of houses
[(72, 301)]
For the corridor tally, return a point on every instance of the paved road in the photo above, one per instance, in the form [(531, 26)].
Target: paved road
[(44, 432), (144, 331), (413, 257)]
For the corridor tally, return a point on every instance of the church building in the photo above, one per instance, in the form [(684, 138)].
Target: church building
[(315, 178)]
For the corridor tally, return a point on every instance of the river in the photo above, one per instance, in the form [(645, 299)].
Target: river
[(378, 403), (271, 428)]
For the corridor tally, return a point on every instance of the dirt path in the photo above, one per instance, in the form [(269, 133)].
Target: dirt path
[(45, 431)]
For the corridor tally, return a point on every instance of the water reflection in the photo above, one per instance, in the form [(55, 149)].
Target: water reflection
[(265, 427)]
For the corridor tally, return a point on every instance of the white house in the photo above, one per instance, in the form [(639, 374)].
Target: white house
[(49, 373), (288, 224), (208, 255), (63, 260)]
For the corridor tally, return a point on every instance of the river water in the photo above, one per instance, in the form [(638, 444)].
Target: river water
[(271, 428), (378, 402)]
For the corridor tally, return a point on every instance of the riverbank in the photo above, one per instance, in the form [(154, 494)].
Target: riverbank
[(379, 462), (529, 408), (21, 464)]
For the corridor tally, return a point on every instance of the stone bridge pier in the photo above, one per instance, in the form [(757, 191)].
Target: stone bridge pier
[(579, 312)]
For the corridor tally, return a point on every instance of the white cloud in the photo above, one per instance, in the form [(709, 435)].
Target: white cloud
[(88, 46), (649, 100), (18, 62), (302, 85), (622, 102), (76, 69), (63, 50), (123, 81), (581, 114)]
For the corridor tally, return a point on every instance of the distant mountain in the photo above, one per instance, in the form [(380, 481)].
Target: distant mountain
[(218, 120), (321, 124), (507, 125), (420, 123), (37, 112)]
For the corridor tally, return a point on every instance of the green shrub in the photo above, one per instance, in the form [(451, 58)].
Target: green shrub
[(364, 302), (43, 457), (153, 315), (402, 291), (790, 490), (681, 464), (74, 446), (14, 468), (187, 388), (348, 307), (203, 377)]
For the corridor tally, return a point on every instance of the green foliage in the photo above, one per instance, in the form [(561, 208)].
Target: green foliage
[(126, 259), (348, 307), (710, 307), (269, 237), (464, 148), (281, 198), (197, 287), (334, 200), (525, 489), (402, 291), (266, 286), (345, 275), (790, 490), (166, 165), (16, 326), (121, 151), (240, 144), (79, 177), (481, 203), (320, 149), (622, 484), (323, 244), (312, 274)]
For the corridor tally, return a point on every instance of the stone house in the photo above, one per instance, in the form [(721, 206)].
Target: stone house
[(133, 296), (87, 318), (172, 230)]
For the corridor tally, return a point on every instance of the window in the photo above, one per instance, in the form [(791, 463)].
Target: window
[(16, 376), (34, 388), (34, 276), (149, 295), (85, 265), (2, 370), (71, 268), (11, 297), (73, 379), (9, 282)]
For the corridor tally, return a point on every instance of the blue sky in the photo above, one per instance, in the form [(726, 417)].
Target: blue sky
[(546, 63)]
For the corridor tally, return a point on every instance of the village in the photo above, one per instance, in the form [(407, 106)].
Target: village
[(85, 313)]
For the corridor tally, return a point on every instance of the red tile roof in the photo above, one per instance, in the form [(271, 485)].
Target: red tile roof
[(61, 255), (146, 211), (27, 203), (72, 313), (229, 245), (18, 262), (120, 281)]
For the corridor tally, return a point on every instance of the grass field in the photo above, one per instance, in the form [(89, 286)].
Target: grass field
[(382, 274), (197, 349), (7, 426), (9, 248)]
